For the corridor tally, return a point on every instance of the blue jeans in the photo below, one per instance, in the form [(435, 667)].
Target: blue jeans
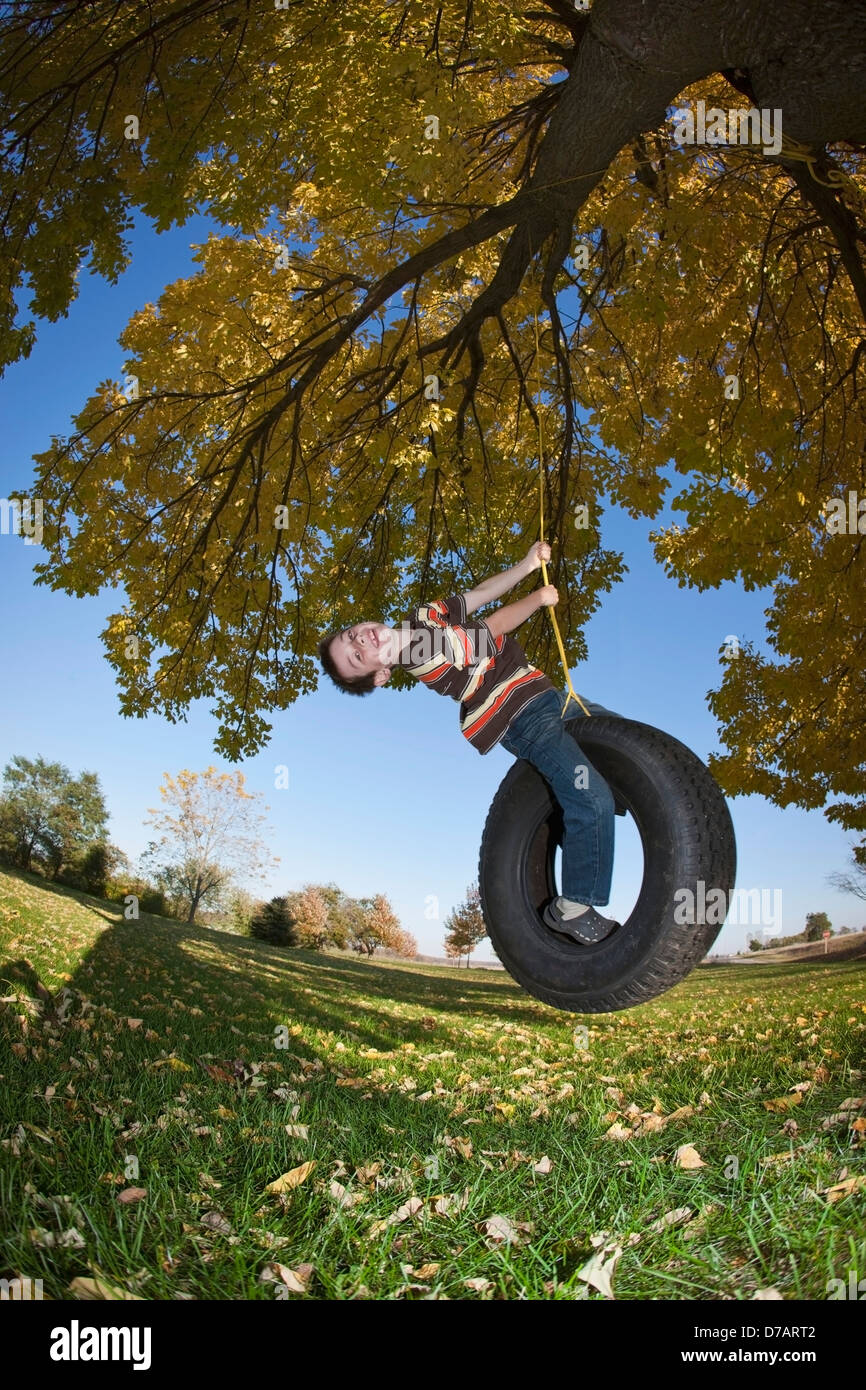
[(539, 735)]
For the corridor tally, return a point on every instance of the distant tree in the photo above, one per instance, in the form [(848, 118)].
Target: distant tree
[(274, 922), (379, 927), (209, 831), (310, 915), (407, 945), (240, 910), (465, 926), (345, 914), (852, 882), (125, 883), (845, 931), (816, 925), (47, 816), (755, 945), (96, 868)]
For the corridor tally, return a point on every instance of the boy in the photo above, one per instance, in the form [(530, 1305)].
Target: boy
[(503, 699)]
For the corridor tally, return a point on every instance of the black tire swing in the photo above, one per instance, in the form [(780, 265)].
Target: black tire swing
[(688, 847), (688, 844)]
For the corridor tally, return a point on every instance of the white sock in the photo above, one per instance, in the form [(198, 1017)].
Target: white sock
[(571, 909)]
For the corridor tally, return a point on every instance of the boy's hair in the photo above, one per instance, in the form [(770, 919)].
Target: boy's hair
[(363, 685)]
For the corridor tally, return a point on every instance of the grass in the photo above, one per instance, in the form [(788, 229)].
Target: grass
[(429, 1101)]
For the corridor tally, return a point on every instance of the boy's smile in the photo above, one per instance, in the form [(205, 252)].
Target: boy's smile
[(364, 649)]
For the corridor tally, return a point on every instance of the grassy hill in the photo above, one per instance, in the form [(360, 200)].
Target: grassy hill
[(448, 1136), (851, 947)]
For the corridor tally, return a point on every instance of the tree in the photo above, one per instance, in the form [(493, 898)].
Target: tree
[(95, 868), (345, 914), (756, 945), (465, 926), (852, 882), (379, 927), (47, 815), (209, 831), (405, 944), (816, 925), (274, 922), (319, 417), (242, 907), (310, 916)]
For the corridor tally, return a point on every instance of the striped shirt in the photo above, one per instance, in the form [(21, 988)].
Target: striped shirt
[(490, 676)]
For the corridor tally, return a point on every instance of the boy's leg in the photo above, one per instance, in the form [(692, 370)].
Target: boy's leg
[(539, 735)]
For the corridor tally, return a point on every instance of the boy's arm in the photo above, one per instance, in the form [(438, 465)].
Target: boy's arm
[(513, 614), (499, 584)]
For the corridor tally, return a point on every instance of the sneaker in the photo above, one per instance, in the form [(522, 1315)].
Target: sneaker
[(587, 928)]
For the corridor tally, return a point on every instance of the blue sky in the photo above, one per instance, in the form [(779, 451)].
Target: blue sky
[(384, 794)]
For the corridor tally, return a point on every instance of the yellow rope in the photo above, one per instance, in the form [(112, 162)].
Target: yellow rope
[(572, 693)]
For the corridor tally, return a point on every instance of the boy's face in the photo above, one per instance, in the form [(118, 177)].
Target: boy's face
[(362, 649)]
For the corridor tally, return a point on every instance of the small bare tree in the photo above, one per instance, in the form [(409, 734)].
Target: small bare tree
[(209, 831)]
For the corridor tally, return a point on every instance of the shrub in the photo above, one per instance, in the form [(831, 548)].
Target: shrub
[(274, 922)]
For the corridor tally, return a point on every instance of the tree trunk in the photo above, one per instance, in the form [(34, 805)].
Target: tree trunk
[(633, 61)]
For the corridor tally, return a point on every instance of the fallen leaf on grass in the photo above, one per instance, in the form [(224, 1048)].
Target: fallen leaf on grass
[(293, 1178), (44, 1239), (176, 1064), (501, 1231), (619, 1131), (101, 1289), (62, 1208), (132, 1194), (650, 1124), (215, 1221), (687, 1156), (698, 1228), (677, 1217), (598, 1271), (343, 1197), (685, 1112), (478, 1285), (449, 1205), (410, 1208), (783, 1103), (297, 1131), (768, 1295), (543, 1165), (785, 1157), (283, 1093), (295, 1280), (646, 1121), (219, 1074), (425, 1271), (844, 1189), (367, 1172), (459, 1142)]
